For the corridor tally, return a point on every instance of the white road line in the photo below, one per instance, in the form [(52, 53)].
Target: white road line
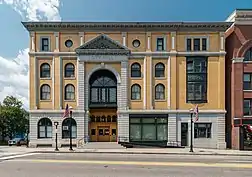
[(17, 156), (239, 161)]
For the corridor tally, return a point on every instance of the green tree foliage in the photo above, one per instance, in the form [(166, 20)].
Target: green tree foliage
[(13, 118)]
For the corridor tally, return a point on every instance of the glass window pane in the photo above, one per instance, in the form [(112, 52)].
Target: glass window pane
[(94, 96), (135, 120), (162, 132), (246, 77), (112, 94), (149, 132), (162, 120), (148, 120), (135, 132)]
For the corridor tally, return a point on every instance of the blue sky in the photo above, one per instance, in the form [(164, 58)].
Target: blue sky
[(15, 38)]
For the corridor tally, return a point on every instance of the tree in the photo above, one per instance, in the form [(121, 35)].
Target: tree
[(13, 118)]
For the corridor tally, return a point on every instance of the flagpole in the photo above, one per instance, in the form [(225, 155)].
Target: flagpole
[(191, 139)]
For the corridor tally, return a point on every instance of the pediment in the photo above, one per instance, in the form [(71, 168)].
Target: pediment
[(102, 45)]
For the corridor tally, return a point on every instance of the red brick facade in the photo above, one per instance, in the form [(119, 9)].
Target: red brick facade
[(238, 41)]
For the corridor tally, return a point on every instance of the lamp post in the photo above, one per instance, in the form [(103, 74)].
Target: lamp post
[(70, 128), (56, 133), (191, 139)]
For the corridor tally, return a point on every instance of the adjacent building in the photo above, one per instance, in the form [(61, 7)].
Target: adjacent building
[(238, 75), (133, 82)]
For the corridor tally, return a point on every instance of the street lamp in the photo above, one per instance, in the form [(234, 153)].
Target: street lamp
[(191, 139), (70, 128), (56, 133)]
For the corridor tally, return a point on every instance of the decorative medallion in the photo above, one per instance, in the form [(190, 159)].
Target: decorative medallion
[(136, 43), (68, 43)]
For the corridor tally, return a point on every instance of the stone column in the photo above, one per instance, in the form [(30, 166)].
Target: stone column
[(221, 142), (81, 85), (172, 127), (32, 35), (81, 34), (36, 92), (124, 38), (56, 34), (61, 84), (173, 40), (123, 127), (123, 88), (149, 41), (222, 41), (168, 82), (144, 82)]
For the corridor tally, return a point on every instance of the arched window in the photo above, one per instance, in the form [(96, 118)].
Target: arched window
[(248, 55), (135, 70), (45, 128), (69, 70), (160, 92), (66, 128), (45, 92), (159, 70), (135, 92), (45, 70), (69, 92), (103, 88)]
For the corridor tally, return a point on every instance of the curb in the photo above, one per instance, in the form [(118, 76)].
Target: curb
[(172, 153)]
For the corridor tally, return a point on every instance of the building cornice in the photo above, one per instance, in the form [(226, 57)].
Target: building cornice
[(127, 26), (131, 55)]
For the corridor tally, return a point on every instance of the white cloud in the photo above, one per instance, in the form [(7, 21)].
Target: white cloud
[(14, 74)]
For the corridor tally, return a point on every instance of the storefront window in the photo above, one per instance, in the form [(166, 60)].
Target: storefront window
[(148, 129)]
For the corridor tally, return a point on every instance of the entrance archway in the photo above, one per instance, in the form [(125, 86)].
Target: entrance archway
[(103, 106)]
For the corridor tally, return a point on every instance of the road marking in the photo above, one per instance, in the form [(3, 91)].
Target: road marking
[(190, 164), (17, 156)]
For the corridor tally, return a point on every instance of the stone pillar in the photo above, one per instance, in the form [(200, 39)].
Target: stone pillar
[(151, 86), (172, 127), (61, 84), (53, 83), (221, 143), (32, 35), (81, 85), (123, 88), (124, 34), (81, 34), (56, 34), (36, 92), (173, 40), (144, 82), (222, 41), (123, 127), (169, 83), (149, 41)]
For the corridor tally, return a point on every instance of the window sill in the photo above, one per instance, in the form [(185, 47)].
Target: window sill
[(247, 116), (45, 100), (136, 100), (202, 138), (247, 90), (45, 78), (247, 61), (160, 78), (69, 78), (69, 100), (160, 100), (136, 78)]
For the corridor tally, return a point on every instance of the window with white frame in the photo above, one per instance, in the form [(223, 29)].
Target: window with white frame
[(202, 130)]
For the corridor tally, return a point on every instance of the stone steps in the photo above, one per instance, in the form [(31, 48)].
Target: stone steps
[(103, 145)]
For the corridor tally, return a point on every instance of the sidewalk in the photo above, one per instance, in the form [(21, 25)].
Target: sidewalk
[(6, 151)]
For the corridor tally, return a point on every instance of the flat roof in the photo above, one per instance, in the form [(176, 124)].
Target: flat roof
[(127, 26)]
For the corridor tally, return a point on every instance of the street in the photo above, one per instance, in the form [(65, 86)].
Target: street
[(124, 165)]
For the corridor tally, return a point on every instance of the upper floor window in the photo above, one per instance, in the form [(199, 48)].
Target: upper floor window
[(45, 44), (69, 92), (196, 44), (248, 55), (160, 44), (247, 107), (159, 70), (135, 92), (135, 70), (196, 72), (247, 81), (160, 92), (69, 70), (45, 92), (45, 70), (202, 130)]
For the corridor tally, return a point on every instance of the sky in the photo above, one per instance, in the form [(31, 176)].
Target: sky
[(14, 78)]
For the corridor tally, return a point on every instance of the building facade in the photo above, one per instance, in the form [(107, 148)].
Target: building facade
[(239, 74), (133, 82)]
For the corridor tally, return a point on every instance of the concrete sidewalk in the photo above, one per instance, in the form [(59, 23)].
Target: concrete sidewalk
[(5, 151)]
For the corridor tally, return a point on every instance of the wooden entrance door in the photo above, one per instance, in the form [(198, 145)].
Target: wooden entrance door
[(103, 133)]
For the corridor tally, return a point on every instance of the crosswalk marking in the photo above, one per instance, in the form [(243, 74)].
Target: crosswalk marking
[(17, 156)]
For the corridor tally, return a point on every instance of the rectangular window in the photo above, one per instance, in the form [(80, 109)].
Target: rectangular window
[(247, 81), (196, 44), (196, 79), (247, 107), (204, 44), (189, 44), (148, 129), (160, 44), (45, 44), (202, 130)]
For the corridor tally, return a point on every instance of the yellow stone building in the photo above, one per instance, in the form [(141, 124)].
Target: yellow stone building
[(133, 82)]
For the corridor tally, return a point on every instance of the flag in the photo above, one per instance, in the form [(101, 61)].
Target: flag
[(196, 112), (66, 113)]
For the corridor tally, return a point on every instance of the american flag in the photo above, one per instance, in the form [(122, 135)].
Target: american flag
[(196, 112), (66, 113)]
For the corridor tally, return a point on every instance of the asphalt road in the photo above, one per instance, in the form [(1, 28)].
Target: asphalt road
[(125, 165)]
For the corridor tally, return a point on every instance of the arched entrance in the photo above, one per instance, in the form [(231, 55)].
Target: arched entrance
[(103, 106)]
